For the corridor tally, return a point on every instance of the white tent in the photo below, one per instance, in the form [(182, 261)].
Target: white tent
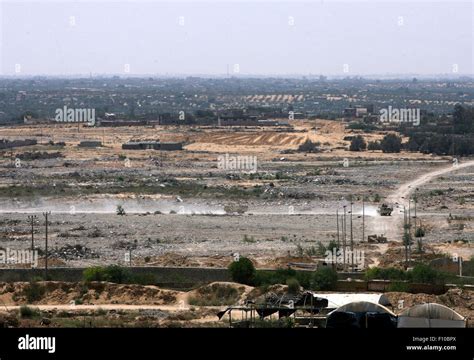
[(362, 315), (430, 316), (338, 300), (363, 307)]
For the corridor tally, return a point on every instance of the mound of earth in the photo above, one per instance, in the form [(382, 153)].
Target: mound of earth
[(460, 300), (97, 293), (219, 294)]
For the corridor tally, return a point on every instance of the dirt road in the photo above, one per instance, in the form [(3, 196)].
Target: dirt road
[(400, 196)]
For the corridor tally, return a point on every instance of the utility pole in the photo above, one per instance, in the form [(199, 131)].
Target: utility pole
[(405, 235), (421, 240), (338, 241), (363, 218), (32, 219), (344, 239), (352, 241), (45, 214), (415, 199)]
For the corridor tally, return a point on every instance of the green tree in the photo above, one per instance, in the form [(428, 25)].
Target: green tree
[(324, 278), (358, 144), (391, 143), (243, 271)]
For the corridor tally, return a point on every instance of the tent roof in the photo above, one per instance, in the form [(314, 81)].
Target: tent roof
[(337, 300), (431, 311), (363, 306)]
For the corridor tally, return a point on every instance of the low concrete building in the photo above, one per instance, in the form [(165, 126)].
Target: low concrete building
[(141, 145), (171, 146), (90, 144)]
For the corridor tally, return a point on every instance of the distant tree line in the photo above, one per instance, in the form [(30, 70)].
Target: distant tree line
[(447, 136), (441, 136)]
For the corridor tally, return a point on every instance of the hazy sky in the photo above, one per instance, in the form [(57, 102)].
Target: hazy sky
[(246, 37)]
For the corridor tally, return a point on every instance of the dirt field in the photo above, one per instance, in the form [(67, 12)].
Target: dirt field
[(175, 202)]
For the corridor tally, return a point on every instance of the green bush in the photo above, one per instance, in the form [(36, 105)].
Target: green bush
[(215, 295), (95, 273), (120, 210), (309, 147), (111, 273), (399, 286), (420, 232), (243, 271), (28, 312), (324, 278), (34, 292), (358, 143), (426, 275), (391, 143), (266, 278), (293, 286)]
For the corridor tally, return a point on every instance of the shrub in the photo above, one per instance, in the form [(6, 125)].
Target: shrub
[(399, 286), (391, 143), (215, 295), (420, 232), (116, 274), (293, 286), (309, 147), (358, 144), (28, 312), (374, 145), (243, 271), (34, 292), (324, 278), (427, 275), (120, 210), (112, 273), (95, 273)]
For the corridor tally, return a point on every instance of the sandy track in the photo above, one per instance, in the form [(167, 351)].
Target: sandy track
[(400, 196)]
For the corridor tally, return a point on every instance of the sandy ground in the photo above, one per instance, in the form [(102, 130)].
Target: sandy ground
[(295, 210)]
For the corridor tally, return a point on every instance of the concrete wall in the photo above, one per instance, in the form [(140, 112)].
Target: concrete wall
[(163, 276), (176, 277)]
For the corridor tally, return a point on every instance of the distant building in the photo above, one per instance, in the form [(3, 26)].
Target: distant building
[(350, 112), (152, 145), (171, 146), (90, 144), (7, 144), (358, 111)]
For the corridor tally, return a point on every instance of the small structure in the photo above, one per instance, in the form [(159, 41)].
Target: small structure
[(284, 306), (171, 146), (376, 239), (431, 316), (90, 144), (7, 144), (153, 145), (141, 145)]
